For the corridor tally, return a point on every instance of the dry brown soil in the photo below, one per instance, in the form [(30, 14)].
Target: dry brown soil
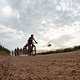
[(60, 66)]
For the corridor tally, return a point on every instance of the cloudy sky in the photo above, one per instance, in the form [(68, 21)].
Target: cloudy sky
[(51, 21)]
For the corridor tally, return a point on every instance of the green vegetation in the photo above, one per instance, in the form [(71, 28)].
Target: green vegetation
[(4, 51), (62, 50)]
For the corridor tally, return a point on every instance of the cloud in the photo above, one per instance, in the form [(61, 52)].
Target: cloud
[(6, 11), (60, 37), (76, 33), (57, 21), (10, 35), (10, 32)]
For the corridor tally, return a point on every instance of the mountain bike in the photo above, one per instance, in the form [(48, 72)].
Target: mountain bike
[(31, 50)]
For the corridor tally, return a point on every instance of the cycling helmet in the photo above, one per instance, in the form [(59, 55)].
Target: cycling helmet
[(32, 35)]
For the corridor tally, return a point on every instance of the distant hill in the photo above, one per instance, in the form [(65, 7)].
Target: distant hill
[(4, 51)]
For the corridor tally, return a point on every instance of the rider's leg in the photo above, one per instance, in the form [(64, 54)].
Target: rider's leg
[(34, 48), (29, 49)]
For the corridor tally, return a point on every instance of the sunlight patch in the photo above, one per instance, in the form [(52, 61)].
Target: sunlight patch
[(7, 11)]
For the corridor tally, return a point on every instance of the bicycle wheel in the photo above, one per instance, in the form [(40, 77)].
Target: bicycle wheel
[(34, 51)]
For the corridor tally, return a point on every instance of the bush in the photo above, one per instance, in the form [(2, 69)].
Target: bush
[(2, 49), (67, 50)]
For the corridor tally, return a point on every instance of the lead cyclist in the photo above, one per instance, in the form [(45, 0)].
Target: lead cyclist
[(31, 45)]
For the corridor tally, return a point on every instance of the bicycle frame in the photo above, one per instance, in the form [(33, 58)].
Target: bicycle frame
[(32, 49)]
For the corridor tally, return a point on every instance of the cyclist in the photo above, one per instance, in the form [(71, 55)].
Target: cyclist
[(31, 41)]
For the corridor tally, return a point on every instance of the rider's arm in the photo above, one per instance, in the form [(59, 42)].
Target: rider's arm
[(35, 40)]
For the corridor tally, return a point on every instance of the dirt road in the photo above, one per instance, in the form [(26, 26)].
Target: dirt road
[(63, 66)]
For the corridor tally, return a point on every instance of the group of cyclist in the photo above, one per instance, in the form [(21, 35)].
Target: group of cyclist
[(27, 48)]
